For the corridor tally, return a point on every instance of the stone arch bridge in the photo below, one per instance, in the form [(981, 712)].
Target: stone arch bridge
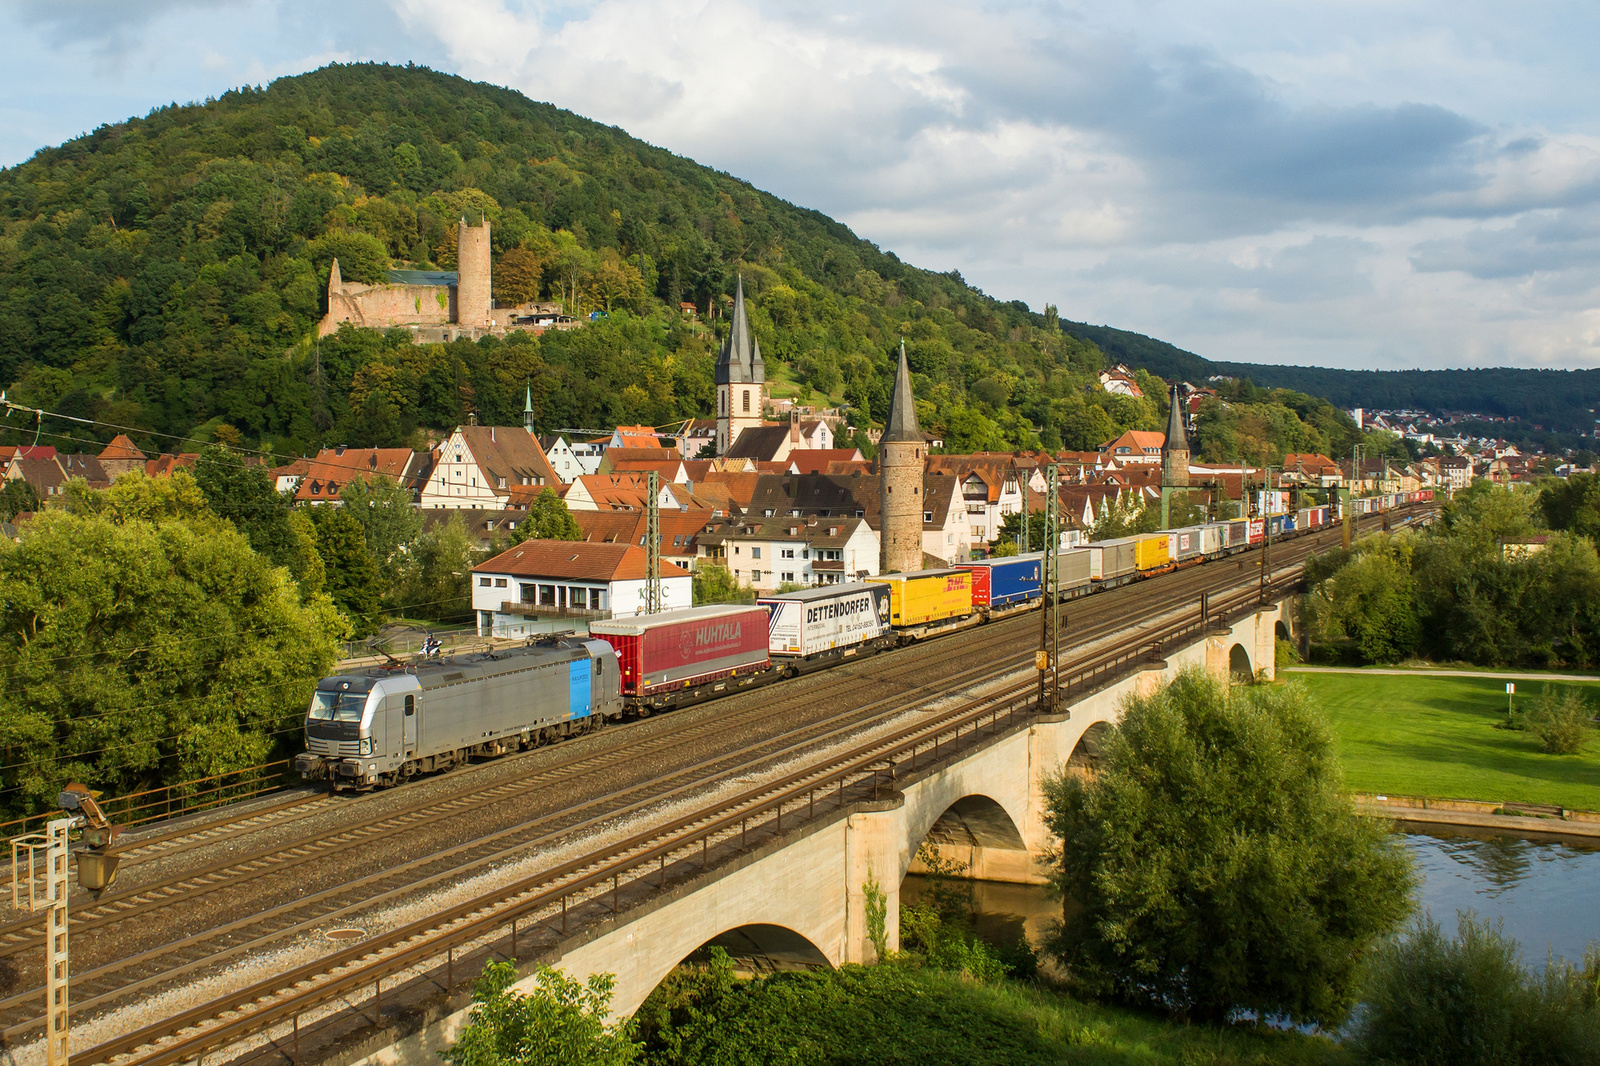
[(804, 896)]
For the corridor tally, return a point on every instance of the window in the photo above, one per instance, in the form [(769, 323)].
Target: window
[(499, 582), (927, 516), (788, 553), (337, 706), (483, 582), (580, 597), (736, 549), (502, 482), (805, 553), (788, 575), (411, 705), (755, 553), (547, 595), (747, 399)]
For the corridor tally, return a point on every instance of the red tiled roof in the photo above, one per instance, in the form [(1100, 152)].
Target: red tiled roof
[(575, 559), (121, 448)]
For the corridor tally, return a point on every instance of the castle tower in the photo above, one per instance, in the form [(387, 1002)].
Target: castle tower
[(472, 275), (900, 465), (741, 379), (1175, 452)]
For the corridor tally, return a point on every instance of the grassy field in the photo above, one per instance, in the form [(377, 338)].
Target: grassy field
[(1436, 736)]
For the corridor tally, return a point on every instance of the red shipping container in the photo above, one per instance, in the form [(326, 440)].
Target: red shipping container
[(682, 649)]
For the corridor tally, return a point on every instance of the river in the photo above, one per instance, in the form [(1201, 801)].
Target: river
[(1542, 890)]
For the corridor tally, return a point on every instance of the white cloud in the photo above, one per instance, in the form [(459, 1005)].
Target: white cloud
[(1347, 183)]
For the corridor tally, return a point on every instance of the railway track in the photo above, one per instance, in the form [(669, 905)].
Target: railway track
[(144, 971), (599, 884)]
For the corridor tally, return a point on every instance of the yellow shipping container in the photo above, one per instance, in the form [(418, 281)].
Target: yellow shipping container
[(1150, 551), (927, 596)]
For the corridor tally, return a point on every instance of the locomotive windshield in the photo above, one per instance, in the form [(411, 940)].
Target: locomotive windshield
[(337, 706)]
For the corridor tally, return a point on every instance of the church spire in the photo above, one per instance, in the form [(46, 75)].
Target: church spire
[(901, 425), (527, 409), (740, 359), (1177, 436)]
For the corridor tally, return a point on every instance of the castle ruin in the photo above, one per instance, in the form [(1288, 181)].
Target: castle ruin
[(438, 305)]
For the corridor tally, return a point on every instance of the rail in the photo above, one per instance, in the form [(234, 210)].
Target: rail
[(641, 866), (170, 801)]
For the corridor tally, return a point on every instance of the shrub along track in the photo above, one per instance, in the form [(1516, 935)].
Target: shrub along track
[(144, 954)]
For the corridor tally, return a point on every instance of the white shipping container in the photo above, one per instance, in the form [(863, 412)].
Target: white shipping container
[(1213, 537), (808, 623), (1110, 559)]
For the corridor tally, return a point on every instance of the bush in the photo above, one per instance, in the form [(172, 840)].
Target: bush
[(562, 1022), (1219, 866), (1561, 721), (1430, 999)]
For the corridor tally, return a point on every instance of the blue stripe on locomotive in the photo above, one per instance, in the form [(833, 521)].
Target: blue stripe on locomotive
[(1014, 580), (578, 702)]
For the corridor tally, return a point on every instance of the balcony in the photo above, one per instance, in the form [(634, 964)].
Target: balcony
[(550, 610)]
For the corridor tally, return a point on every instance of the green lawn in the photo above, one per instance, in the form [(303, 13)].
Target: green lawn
[(1436, 736)]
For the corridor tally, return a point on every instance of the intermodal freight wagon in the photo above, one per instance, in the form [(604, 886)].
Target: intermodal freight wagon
[(1112, 561), (1151, 551), (1004, 581), (667, 658), (828, 622), (923, 598)]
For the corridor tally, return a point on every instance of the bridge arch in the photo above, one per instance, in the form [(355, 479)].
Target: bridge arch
[(1280, 629), (756, 947), (1085, 757), (1239, 668)]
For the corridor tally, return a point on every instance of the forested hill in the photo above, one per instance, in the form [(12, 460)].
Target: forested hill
[(166, 273), (1560, 400)]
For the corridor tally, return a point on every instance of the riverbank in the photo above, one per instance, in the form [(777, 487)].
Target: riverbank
[(1438, 734)]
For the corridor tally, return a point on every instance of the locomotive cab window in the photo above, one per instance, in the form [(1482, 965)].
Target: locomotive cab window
[(337, 706), (411, 706)]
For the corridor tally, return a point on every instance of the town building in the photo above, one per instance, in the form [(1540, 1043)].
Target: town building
[(768, 553), (322, 479), (542, 585), (1135, 446), (491, 468)]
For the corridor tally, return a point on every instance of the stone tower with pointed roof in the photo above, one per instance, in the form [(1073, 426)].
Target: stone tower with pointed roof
[(527, 408), (1175, 451), (741, 379), (901, 455)]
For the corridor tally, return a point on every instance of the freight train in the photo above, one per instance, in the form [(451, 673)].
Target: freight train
[(386, 725)]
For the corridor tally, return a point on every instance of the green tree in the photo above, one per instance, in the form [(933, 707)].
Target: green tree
[(1433, 1000), (714, 583), (389, 519), (246, 496), (1370, 601), (1219, 866), (561, 1022), (350, 576), (547, 518), (146, 643), (1572, 504), (436, 577), (16, 498)]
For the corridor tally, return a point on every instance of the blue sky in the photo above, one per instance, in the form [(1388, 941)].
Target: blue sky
[(1355, 184)]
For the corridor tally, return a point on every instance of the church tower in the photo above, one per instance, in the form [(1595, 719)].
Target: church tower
[(741, 379), (1175, 452), (900, 463)]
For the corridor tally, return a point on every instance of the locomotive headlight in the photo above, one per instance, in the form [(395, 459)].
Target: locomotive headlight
[(366, 746)]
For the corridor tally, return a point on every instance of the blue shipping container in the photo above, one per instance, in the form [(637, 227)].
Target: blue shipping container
[(1007, 580)]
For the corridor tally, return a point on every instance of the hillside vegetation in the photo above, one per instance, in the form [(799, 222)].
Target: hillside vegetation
[(166, 273)]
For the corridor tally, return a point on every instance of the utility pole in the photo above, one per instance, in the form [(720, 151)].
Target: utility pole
[(1266, 527), (1050, 586), (652, 547)]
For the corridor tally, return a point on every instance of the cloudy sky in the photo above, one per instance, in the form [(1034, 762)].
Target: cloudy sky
[(1367, 183)]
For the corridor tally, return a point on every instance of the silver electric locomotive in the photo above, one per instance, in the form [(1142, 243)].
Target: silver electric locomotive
[(385, 725)]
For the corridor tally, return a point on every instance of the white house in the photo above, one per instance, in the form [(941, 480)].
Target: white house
[(487, 468), (541, 585), (563, 460), (765, 553)]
